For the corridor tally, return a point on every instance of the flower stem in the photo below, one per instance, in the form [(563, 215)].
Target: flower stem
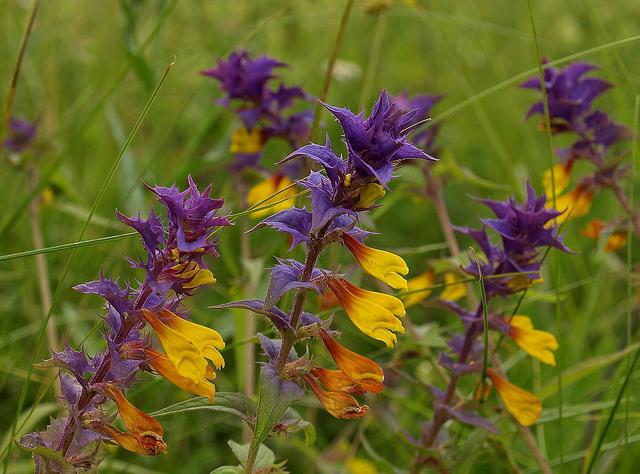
[(289, 339)]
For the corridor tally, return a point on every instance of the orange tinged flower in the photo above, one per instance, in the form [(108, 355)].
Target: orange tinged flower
[(593, 229), (337, 381), (339, 404), (383, 265), (246, 142), (188, 345), (424, 280), (453, 291), (276, 189), (575, 204), (536, 343), (616, 241), (144, 433), (363, 371), (163, 365), (375, 314), (524, 406)]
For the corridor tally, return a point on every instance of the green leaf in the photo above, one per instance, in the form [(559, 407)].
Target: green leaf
[(264, 459), (232, 403), (228, 470)]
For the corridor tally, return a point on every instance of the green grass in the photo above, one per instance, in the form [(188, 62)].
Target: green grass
[(88, 73)]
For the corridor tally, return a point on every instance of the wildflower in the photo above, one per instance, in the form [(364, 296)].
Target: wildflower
[(523, 229), (418, 288), (188, 345), (573, 204), (246, 142), (375, 314), (561, 177), (615, 241), (165, 367), (538, 344), (524, 406), (453, 291), (383, 265), (144, 433), (361, 370), (339, 404), (20, 135), (276, 189)]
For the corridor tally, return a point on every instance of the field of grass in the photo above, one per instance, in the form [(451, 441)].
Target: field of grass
[(91, 68)]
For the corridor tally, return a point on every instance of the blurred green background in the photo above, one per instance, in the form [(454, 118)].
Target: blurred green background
[(91, 66)]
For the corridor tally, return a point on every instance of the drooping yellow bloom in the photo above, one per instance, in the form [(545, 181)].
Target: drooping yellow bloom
[(336, 381), (362, 370), (561, 175), (424, 280), (536, 343), (144, 433), (188, 345), (163, 365), (453, 291), (524, 406), (576, 203), (339, 404), (383, 265), (375, 314), (264, 193), (246, 142)]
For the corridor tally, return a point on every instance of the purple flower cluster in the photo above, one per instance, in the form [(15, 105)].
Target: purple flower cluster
[(174, 268), (20, 135), (570, 96), (523, 229), (261, 107)]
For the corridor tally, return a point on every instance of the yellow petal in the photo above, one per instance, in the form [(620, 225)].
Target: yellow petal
[(575, 204), (453, 292), (561, 175), (536, 343), (383, 265), (163, 365), (361, 466), (424, 280), (264, 193), (524, 406), (194, 273), (206, 339), (375, 314), (336, 381), (243, 141), (184, 353)]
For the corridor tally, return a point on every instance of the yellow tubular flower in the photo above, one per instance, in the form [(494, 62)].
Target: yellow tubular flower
[(163, 365), (360, 369), (144, 434), (424, 280), (375, 314), (339, 404), (561, 173), (247, 142), (453, 292), (262, 192), (383, 265), (536, 343), (524, 406), (575, 204), (188, 345)]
